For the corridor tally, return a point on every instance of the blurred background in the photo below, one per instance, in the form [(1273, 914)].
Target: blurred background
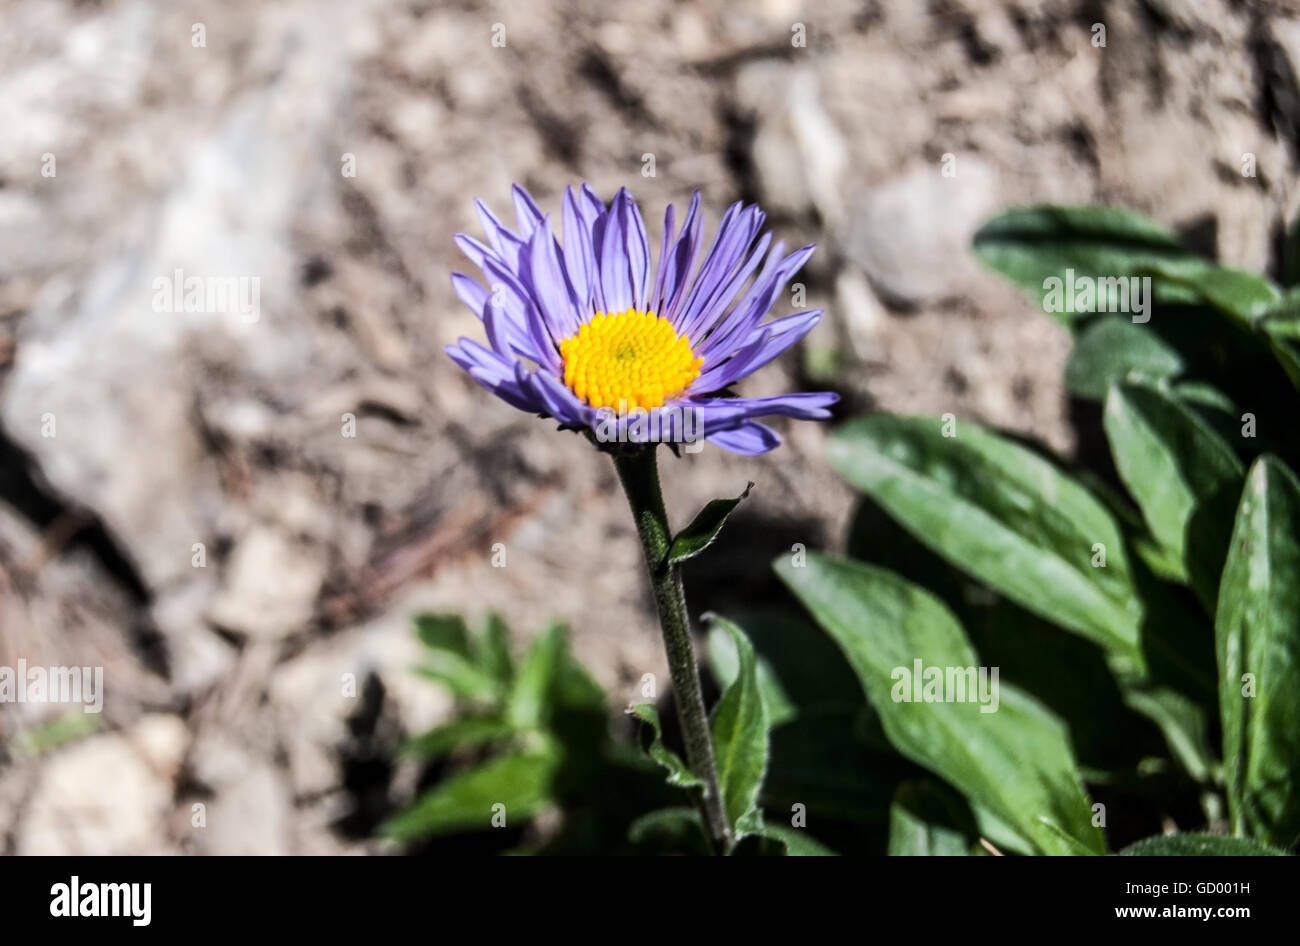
[(180, 500)]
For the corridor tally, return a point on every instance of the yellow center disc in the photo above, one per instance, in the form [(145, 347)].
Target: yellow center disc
[(633, 357)]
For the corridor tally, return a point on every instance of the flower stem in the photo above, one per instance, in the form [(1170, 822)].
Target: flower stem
[(639, 474)]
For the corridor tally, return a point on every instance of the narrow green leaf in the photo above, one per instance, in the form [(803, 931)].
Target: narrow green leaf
[(459, 675), (1005, 515), (1016, 760), (522, 783), (443, 632), (1258, 643), (526, 706), (669, 761), (740, 736), (469, 731), (704, 528), (1199, 845), (724, 661), (1115, 349), (492, 650), (1184, 478)]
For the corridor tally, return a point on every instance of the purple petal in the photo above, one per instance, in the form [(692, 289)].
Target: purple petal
[(665, 251), (636, 248), (469, 292), (749, 439), (546, 279), (579, 261), (735, 235), (681, 262), (772, 339), (736, 330), (503, 241), (560, 402), (526, 210), (491, 372)]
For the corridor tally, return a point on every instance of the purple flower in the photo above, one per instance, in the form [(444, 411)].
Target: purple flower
[(593, 335)]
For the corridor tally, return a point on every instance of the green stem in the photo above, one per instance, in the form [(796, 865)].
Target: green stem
[(638, 472)]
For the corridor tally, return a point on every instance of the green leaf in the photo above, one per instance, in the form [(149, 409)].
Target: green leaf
[(522, 783), (492, 650), (1115, 349), (1072, 847), (459, 675), (740, 737), (704, 528), (1030, 244), (1284, 339), (797, 841), (1003, 514), (1257, 632), (1245, 296), (443, 632), (679, 827), (669, 761), (526, 706), (927, 820), (1199, 845), (470, 731), (1184, 478), (1016, 761), (724, 661)]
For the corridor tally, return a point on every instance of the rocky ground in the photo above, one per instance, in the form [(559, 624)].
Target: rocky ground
[(179, 502)]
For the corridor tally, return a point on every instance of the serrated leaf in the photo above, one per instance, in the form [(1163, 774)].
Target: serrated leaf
[(465, 802), (1199, 845), (740, 737), (1003, 514), (1016, 761), (1257, 632), (1184, 477), (669, 761), (704, 529)]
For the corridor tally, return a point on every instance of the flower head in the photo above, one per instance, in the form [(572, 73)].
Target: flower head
[(593, 335)]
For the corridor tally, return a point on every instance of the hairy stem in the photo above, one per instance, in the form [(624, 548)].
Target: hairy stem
[(639, 474)]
